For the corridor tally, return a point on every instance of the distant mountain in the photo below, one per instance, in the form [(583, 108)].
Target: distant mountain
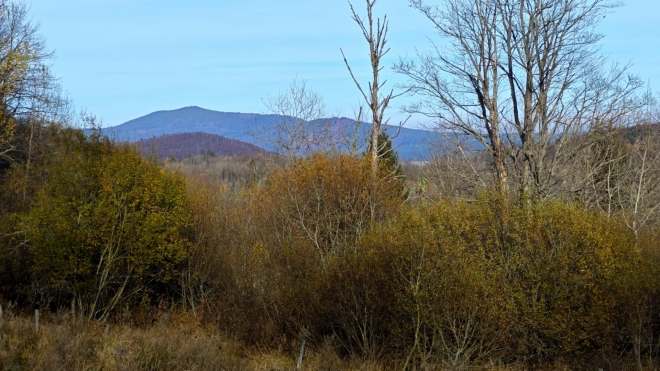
[(190, 119), (410, 144), (189, 144)]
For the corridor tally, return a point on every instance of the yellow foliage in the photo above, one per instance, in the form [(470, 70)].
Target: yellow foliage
[(106, 225), (525, 283), (14, 66)]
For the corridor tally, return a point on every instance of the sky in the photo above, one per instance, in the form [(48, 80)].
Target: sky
[(122, 59)]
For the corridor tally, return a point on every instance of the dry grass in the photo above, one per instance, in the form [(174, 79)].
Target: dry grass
[(172, 343), (67, 344)]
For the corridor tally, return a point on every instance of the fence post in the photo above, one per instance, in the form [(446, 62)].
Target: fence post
[(300, 357), (36, 320)]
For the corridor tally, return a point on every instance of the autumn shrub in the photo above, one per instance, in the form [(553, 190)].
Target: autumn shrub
[(264, 250), (225, 268), (456, 283), (638, 305), (317, 209), (559, 266), (319, 251), (104, 230), (212, 232), (328, 201), (412, 290)]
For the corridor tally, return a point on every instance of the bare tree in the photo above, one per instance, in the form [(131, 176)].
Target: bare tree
[(28, 91), (523, 78), (639, 195), (620, 172), (376, 37), (300, 125)]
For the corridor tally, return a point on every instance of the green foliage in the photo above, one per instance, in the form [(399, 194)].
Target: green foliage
[(388, 158), (106, 226)]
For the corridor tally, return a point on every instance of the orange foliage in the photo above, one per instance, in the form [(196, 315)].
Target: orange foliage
[(327, 201)]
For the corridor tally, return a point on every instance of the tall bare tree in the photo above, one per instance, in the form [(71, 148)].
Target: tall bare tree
[(376, 37), (523, 78)]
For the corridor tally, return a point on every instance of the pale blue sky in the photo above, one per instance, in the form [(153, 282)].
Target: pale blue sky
[(121, 59)]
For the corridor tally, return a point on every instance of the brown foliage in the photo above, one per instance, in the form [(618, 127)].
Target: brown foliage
[(446, 285), (319, 251), (328, 201)]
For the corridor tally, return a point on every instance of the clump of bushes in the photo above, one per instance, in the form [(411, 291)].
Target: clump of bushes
[(275, 241), (493, 280), (323, 250), (102, 228), (450, 284)]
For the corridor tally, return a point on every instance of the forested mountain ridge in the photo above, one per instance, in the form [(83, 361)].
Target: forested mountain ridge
[(189, 144), (411, 144)]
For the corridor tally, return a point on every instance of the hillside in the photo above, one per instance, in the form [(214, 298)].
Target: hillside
[(189, 144), (632, 134), (411, 144)]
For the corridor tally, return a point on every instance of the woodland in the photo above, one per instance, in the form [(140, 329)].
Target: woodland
[(539, 249)]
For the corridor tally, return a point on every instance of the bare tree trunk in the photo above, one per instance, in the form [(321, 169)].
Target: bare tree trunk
[(376, 37), (522, 78)]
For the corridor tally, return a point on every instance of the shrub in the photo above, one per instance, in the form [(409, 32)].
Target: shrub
[(105, 226), (489, 279), (275, 241), (328, 201)]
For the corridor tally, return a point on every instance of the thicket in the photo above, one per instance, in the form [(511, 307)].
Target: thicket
[(91, 226), (452, 284), (446, 283), (320, 250)]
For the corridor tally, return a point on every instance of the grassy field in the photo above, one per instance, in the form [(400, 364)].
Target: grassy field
[(177, 342)]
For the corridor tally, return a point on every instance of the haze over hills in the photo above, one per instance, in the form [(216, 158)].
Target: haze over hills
[(410, 144)]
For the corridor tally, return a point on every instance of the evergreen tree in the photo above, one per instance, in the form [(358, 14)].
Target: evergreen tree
[(388, 162)]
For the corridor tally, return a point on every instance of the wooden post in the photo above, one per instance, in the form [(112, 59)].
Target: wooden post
[(106, 331), (300, 357), (36, 320), (0, 312)]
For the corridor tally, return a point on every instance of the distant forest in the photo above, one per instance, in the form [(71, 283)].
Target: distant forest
[(185, 145)]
